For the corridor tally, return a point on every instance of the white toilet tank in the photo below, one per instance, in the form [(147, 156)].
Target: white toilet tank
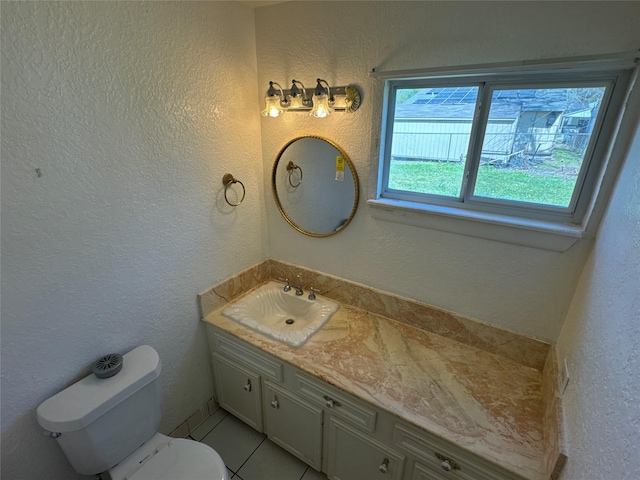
[(101, 421)]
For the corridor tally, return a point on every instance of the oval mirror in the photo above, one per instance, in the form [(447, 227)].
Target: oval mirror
[(315, 186)]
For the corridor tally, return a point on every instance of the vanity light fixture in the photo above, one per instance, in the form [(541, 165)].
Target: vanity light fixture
[(276, 102), (325, 100)]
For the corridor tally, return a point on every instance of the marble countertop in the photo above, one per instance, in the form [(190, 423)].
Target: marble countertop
[(478, 400)]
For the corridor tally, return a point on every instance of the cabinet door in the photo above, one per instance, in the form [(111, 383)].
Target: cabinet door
[(354, 455), (238, 390), (436, 459), (294, 424)]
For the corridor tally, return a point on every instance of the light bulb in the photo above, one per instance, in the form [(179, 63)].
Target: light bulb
[(273, 108), (321, 106), (296, 102)]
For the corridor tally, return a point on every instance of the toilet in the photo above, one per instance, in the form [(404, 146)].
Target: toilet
[(109, 426)]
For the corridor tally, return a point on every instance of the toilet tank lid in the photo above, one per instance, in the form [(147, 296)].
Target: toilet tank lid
[(82, 403)]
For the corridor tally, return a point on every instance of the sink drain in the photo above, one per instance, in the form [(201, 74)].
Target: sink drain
[(289, 321)]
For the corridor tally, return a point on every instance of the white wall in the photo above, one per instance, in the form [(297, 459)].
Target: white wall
[(523, 289), (130, 111), (600, 339)]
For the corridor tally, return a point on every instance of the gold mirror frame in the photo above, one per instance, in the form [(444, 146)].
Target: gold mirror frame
[(356, 186)]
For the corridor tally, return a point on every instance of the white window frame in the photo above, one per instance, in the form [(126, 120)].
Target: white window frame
[(546, 227)]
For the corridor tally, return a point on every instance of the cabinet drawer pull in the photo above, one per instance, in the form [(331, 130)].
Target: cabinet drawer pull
[(330, 402), (247, 387), (276, 402), (384, 466), (447, 464)]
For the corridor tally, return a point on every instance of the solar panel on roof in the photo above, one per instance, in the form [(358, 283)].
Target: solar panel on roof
[(448, 96), (514, 94)]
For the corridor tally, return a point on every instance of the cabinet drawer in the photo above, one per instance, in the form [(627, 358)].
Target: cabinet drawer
[(238, 390), (447, 460), (355, 456), (235, 349), (340, 403), (420, 472)]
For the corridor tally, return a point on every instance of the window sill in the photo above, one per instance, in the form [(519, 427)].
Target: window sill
[(513, 230)]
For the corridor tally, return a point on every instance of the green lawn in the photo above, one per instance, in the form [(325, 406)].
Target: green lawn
[(442, 178)]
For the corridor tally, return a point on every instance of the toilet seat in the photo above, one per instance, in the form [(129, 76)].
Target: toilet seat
[(180, 459)]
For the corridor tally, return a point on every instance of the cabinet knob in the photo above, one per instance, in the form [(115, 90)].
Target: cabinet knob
[(247, 387), (330, 402), (276, 402), (384, 466), (447, 463)]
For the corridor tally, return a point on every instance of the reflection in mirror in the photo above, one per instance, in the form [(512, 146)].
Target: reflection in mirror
[(315, 186)]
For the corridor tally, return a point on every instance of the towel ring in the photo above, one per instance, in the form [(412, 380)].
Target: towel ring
[(229, 180), (290, 168)]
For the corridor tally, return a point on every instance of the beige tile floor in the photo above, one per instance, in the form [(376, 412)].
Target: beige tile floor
[(250, 455)]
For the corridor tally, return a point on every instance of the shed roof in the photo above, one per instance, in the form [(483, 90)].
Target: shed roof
[(459, 103)]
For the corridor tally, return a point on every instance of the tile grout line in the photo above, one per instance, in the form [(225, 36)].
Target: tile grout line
[(235, 474), (254, 451), (214, 427), (305, 472)]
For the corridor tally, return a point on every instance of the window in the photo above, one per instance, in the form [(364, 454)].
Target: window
[(517, 145)]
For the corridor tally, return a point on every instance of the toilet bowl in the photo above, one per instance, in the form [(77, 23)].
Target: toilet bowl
[(166, 458), (109, 426)]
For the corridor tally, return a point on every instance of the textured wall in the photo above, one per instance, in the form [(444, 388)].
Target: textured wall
[(601, 341), (128, 110), (522, 289)]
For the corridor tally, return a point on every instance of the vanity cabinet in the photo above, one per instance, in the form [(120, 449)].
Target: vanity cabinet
[(251, 385), (238, 374), (323, 426), (328, 428)]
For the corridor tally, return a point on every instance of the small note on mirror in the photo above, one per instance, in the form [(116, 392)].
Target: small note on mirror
[(339, 168)]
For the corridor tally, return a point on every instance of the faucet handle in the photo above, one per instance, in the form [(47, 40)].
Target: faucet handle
[(312, 293), (298, 286), (287, 287)]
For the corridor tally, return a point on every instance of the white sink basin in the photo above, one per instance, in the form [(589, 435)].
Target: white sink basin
[(281, 315)]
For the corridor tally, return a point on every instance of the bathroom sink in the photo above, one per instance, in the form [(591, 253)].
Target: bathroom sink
[(281, 315)]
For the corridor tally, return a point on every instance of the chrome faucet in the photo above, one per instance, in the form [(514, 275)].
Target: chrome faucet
[(312, 293), (287, 287), (298, 287)]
